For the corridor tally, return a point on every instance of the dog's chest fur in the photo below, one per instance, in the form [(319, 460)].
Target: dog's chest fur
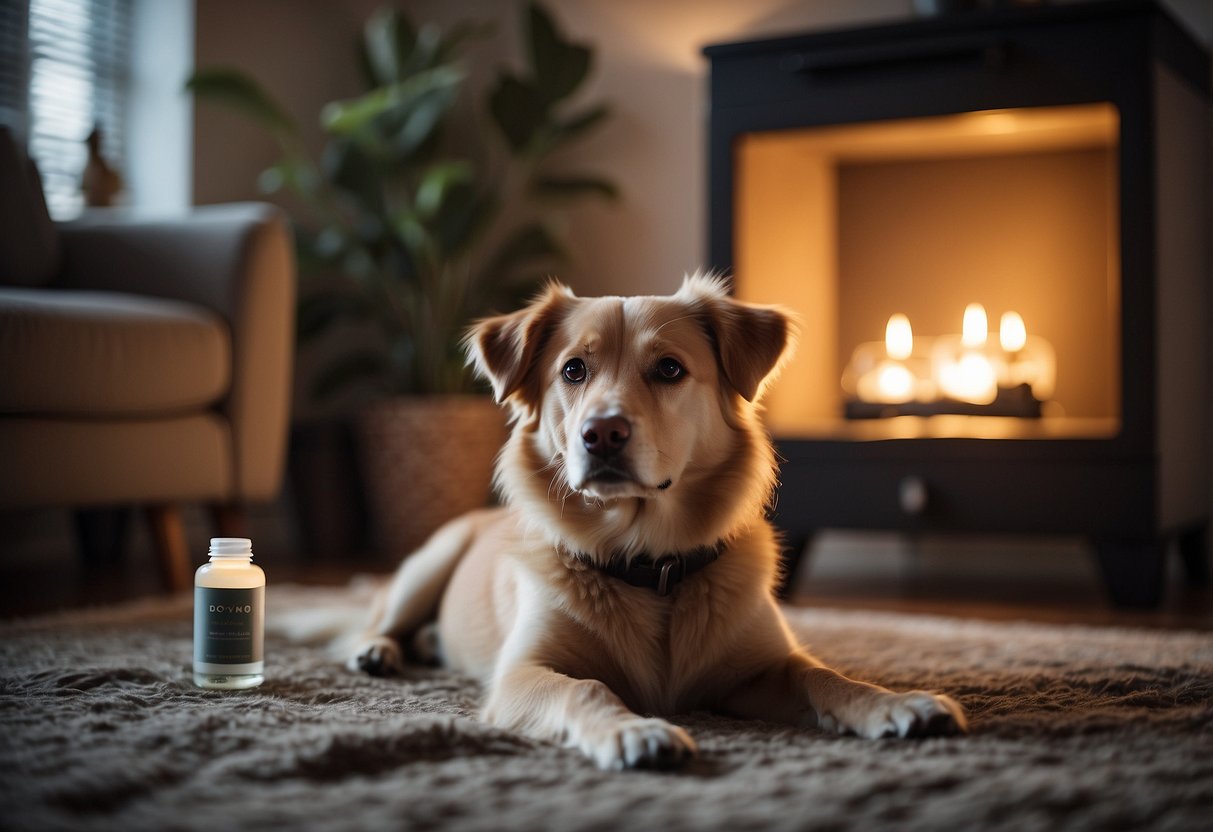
[(660, 655)]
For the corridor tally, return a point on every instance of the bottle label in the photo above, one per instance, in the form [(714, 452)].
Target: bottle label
[(229, 625)]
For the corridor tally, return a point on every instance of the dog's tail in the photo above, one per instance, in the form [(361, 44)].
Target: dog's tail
[(314, 615)]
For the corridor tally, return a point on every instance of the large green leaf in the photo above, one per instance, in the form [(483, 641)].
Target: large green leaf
[(426, 50), (559, 64), (416, 239), (353, 115), (517, 109), (422, 120), (463, 215), (238, 91), (388, 41), (354, 174), (436, 184)]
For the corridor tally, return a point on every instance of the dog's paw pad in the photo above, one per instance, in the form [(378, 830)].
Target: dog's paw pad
[(642, 744), (379, 656)]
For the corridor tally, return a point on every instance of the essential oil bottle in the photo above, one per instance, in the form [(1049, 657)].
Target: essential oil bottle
[(229, 617)]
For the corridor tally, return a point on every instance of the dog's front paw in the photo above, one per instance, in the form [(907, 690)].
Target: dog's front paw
[(378, 656), (913, 714), (639, 743)]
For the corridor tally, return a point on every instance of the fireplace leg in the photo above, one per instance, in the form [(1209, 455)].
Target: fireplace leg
[(1194, 552), (1133, 569), (795, 548)]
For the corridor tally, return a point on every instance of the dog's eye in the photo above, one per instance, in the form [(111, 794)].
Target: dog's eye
[(574, 371), (669, 369)]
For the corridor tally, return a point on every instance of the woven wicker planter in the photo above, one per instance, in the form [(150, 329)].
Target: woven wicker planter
[(425, 460)]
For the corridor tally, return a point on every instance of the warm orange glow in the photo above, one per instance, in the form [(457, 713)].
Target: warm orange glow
[(896, 383), (1012, 333), (971, 379), (899, 337), (977, 228), (976, 328)]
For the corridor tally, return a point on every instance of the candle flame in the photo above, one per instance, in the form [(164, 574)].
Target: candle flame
[(975, 328), (899, 337), (1012, 334)]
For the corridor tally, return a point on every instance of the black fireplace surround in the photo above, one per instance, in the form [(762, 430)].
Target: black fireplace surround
[(1134, 494)]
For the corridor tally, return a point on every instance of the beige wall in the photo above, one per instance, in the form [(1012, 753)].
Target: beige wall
[(299, 50), (649, 68)]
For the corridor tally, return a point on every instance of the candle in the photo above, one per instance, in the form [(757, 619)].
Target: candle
[(974, 330), (965, 367), (890, 381), (1012, 333), (1028, 361), (894, 383), (898, 337), (970, 377)]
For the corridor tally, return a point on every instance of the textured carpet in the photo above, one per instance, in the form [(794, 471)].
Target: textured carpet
[(1074, 728)]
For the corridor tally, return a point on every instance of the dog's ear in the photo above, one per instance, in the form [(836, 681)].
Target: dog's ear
[(503, 349), (752, 341)]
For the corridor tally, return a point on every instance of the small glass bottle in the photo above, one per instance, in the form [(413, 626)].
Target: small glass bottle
[(229, 617)]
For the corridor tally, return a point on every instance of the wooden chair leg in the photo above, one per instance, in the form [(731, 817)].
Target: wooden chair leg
[(168, 539), (229, 520)]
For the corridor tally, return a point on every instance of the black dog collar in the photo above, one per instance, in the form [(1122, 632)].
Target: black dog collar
[(660, 574)]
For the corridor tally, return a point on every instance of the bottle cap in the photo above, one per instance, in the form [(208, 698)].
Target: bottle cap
[(231, 547)]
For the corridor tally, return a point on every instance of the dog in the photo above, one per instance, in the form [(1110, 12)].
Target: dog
[(630, 574)]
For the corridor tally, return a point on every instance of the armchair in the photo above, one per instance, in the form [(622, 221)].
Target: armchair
[(144, 362)]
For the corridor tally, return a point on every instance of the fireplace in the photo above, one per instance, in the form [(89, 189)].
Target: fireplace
[(994, 228)]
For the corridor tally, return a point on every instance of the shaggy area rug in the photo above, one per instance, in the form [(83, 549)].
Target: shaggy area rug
[(1074, 728)]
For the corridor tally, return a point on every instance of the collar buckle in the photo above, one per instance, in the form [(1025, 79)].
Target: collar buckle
[(666, 566)]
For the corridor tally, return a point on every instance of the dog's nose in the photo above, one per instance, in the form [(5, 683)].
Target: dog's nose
[(605, 435)]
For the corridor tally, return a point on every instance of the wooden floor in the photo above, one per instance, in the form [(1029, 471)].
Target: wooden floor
[(62, 583)]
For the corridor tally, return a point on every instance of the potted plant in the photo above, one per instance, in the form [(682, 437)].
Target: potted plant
[(411, 240)]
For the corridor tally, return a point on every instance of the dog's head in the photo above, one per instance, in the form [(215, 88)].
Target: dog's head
[(643, 408)]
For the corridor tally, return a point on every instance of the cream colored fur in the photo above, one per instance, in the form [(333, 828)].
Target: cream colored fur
[(570, 654)]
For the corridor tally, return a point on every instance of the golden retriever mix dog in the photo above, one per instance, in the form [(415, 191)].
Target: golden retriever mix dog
[(631, 573)]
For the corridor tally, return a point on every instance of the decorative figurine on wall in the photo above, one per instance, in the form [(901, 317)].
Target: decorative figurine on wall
[(100, 183)]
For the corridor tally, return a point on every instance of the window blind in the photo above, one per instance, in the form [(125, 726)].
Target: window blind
[(65, 68), (14, 64)]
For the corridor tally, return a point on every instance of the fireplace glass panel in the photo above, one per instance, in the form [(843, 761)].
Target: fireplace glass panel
[(1015, 210)]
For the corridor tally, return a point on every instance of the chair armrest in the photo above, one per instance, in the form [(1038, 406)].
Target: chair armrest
[(236, 260)]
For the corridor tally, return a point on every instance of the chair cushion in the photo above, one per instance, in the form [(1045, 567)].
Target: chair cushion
[(30, 254), (74, 353)]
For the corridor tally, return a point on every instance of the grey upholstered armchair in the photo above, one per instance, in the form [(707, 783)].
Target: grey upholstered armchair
[(142, 362)]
